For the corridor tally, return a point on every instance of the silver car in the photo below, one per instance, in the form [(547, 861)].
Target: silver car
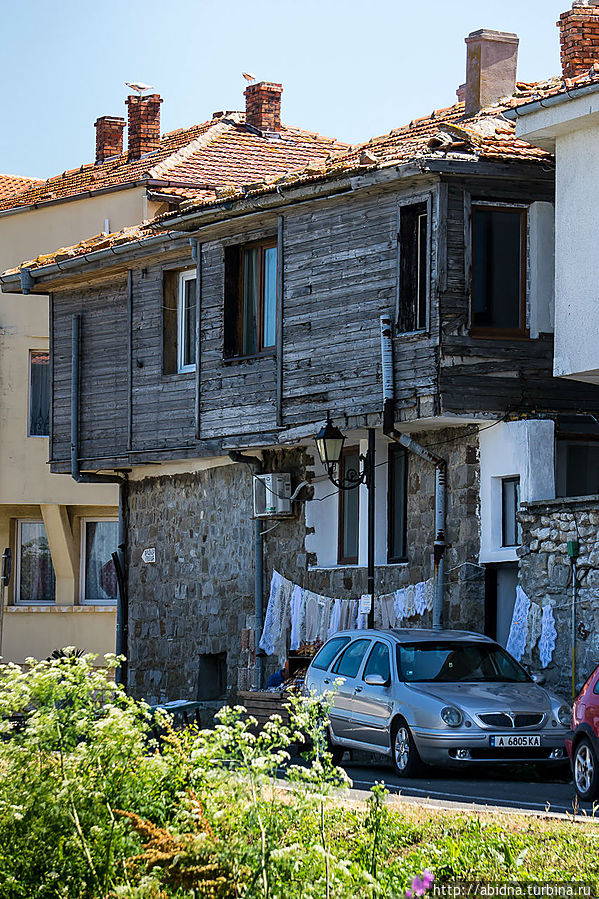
[(439, 697)]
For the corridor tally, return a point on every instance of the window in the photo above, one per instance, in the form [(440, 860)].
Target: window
[(413, 267), (349, 662), (186, 319), (35, 581), (328, 652), (452, 662), (378, 662), (498, 270), (349, 508), (577, 467), (39, 394), (397, 504), (250, 299), (99, 539), (511, 534)]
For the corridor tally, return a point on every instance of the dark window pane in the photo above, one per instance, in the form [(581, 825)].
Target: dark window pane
[(413, 273), (396, 507), (349, 663), (270, 296), (510, 503), (101, 540), (577, 468), (39, 394), (349, 507), (328, 652), (36, 572), (251, 260), (378, 661), (497, 268)]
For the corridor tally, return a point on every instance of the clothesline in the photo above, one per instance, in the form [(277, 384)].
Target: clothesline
[(310, 616)]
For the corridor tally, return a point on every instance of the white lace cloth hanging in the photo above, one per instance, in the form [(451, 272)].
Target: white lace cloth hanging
[(273, 620), (516, 643), (548, 636), (298, 610)]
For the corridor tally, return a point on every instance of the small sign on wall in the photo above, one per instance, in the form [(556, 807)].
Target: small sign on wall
[(149, 554), (365, 604)]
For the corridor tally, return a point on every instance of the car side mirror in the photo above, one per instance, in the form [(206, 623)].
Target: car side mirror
[(376, 680), (539, 679)]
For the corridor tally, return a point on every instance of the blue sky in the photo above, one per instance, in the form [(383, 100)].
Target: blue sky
[(349, 69)]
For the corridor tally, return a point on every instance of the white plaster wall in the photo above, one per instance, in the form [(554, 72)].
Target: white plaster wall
[(577, 255), (510, 449), (322, 512)]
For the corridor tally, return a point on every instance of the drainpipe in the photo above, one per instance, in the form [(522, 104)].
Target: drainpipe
[(256, 466), (88, 478), (440, 543)]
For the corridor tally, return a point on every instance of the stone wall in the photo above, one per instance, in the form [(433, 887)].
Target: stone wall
[(197, 597), (546, 578)]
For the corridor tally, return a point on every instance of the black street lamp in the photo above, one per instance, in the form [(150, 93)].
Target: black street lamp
[(329, 442)]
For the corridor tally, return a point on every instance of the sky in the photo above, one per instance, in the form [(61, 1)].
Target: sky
[(350, 69)]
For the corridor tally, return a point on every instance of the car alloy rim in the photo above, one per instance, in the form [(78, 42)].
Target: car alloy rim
[(584, 768), (402, 748)]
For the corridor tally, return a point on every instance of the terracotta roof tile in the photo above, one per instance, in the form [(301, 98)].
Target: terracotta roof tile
[(10, 185), (183, 159)]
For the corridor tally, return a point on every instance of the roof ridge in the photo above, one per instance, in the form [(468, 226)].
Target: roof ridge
[(187, 150)]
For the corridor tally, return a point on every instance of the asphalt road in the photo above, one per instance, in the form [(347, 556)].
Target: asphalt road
[(512, 788)]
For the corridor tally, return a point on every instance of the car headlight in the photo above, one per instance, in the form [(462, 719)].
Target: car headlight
[(564, 715), (451, 716)]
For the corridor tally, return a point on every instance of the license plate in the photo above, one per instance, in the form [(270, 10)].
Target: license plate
[(503, 741)]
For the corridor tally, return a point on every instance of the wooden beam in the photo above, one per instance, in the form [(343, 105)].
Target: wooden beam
[(279, 322), (198, 334)]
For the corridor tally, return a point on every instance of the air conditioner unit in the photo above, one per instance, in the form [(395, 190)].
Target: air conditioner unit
[(272, 494)]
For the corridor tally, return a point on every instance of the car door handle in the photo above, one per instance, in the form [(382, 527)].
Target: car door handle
[(327, 680), (358, 690)]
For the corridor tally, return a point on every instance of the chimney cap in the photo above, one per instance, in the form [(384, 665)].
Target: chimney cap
[(487, 34)]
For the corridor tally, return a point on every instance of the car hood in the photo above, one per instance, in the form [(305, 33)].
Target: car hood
[(489, 697)]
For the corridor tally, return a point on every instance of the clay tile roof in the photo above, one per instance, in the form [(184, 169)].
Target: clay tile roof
[(221, 151), (10, 185)]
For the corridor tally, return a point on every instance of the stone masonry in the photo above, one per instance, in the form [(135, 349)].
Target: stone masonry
[(546, 577), (197, 597)]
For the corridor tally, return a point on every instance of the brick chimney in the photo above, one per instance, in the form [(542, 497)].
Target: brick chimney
[(263, 106), (491, 61), (579, 37), (144, 124), (109, 137)]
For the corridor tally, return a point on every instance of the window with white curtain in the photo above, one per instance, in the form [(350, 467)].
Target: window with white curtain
[(39, 394), (99, 539), (35, 580)]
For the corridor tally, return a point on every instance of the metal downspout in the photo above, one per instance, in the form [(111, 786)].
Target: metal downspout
[(440, 542), (121, 646), (256, 466)]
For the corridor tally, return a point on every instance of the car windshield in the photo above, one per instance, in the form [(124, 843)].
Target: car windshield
[(451, 662)]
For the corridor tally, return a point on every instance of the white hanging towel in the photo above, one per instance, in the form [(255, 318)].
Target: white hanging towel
[(312, 615), (335, 622), (399, 606), (273, 618), (297, 617), (325, 604)]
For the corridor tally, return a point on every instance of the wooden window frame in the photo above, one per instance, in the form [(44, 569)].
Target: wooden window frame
[(521, 333), (17, 566), (184, 277), (264, 244), (424, 199), (341, 559), (395, 450), (83, 600)]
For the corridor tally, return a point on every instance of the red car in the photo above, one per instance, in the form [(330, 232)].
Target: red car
[(583, 744)]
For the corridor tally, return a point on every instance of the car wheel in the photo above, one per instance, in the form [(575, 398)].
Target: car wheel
[(337, 752), (406, 761), (585, 768)]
